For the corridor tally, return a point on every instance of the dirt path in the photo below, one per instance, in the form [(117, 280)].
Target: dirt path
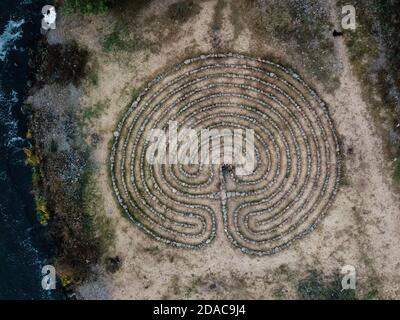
[(375, 206)]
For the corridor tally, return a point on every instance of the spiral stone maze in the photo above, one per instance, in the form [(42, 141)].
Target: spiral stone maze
[(297, 171)]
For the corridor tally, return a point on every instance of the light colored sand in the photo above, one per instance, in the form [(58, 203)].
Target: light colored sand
[(361, 229)]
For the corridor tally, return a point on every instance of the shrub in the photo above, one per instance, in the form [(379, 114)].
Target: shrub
[(397, 171), (41, 210), (58, 63), (31, 158), (183, 10), (86, 6), (114, 41), (317, 287)]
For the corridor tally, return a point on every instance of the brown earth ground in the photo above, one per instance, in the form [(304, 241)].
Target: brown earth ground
[(361, 229)]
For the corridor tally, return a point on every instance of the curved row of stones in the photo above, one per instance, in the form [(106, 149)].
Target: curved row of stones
[(297, 171)]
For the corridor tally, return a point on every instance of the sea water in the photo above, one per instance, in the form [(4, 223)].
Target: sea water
[(23, 248)]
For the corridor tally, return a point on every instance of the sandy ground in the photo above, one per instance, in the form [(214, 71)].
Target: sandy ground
[(361, 228)]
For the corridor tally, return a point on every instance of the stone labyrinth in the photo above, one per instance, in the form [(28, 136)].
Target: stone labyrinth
[(297, 171)]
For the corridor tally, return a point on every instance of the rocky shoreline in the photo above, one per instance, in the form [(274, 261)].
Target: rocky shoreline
[(60, 157)]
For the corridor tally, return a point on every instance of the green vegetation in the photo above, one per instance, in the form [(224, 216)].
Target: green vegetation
[(96, 221), (301, 27), (279, 293), (66, 280), (112, 264), (135, 94), (113, 41), (41, 210), (65, 184), (28, 134), (92, 70), (36, 178), (31, 158), (317, 287), (85, 6), (192, 288), (88, 114), (182, 11), (116, 41), (71, 226), (397, 171), (374, 49), (94, 78), (372, 294)]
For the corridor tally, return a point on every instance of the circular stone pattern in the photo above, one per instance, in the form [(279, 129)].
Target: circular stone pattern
[(297, 159)]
